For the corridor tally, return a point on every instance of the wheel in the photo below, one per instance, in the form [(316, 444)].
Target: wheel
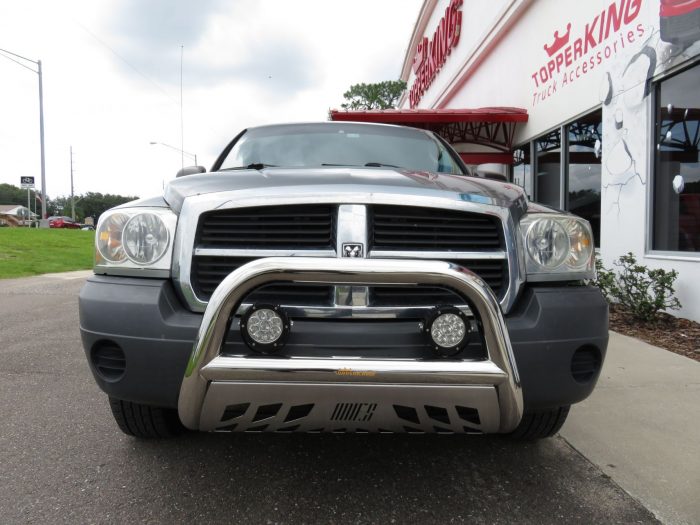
[(540, 424), (143, 421)]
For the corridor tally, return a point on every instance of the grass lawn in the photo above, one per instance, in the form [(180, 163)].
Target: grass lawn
[(30, 251)]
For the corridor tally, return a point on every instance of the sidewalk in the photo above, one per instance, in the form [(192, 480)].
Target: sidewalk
[(641, 427)]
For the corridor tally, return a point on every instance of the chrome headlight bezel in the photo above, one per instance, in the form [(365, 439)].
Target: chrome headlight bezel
[(112, 258), (579, 262)]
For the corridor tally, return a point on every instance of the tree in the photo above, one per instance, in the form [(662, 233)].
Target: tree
[(381, 95)]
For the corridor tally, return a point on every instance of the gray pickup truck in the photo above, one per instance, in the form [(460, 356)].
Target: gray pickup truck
[(342, 277)]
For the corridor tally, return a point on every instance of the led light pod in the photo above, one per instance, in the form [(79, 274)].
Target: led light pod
[(448, 330), (265, 328)]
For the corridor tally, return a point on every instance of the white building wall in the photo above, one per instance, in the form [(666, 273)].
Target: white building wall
[(502, 46)]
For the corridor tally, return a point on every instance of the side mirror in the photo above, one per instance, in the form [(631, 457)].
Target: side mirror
[(191, 170)]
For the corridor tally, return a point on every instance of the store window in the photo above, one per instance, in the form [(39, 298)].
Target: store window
[(677, 170), (522, 172), (584, 169), (548, 180)]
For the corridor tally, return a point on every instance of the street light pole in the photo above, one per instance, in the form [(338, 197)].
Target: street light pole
[(41, 119), (41, 138), (182, 152)]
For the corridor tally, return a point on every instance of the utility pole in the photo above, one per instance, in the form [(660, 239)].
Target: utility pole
[(41, 134), (72, 195)]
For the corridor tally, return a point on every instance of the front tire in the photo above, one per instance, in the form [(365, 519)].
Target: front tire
[(145, 422), (540, 424)]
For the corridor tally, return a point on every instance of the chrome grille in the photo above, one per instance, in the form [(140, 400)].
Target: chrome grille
[(225, 239), (413, 228)]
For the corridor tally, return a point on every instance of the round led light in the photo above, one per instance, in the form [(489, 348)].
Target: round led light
[(448, 329), (581, 242), (265, 328), (547, 243), (145, 238), (109, 237)]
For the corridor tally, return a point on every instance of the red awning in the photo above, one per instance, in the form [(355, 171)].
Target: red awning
[(493, 127), (423, 118)]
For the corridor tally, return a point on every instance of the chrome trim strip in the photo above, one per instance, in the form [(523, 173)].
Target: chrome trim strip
[(357, 312), (225, 252), (230, 293), (438, 256), (352, 229), (394, 371), (194, 206)]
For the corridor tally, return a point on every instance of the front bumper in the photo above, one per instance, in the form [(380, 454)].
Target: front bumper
[(145, 318)]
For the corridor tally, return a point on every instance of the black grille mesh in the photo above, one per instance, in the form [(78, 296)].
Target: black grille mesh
[(269, 227), (411, 228), (208, 272)]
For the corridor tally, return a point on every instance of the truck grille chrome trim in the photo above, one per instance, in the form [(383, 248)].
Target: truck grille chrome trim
[(187, 248), (207, 369)]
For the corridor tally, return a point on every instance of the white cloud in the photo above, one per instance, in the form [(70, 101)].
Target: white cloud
[(245, 63)]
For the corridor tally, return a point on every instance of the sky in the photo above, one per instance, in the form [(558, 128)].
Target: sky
[(111, 74)]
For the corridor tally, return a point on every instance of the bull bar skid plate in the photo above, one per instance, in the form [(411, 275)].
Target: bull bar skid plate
[(434, 395)]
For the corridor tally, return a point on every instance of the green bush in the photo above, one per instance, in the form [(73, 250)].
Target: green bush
[(640, 291)]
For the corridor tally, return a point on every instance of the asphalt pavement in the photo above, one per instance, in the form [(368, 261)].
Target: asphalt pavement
[(63, 460)]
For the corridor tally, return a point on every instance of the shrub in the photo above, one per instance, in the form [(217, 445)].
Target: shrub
[(641, 291)]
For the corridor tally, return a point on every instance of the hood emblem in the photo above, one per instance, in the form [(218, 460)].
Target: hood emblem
[(352, 249)]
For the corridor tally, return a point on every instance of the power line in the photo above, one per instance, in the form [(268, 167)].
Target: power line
[(25, 66), (136, 70)]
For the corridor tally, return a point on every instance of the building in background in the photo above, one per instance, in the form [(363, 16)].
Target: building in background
[(610, 92), (16, 215)]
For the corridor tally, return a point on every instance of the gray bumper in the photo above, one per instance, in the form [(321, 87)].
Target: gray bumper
[(147, 320)]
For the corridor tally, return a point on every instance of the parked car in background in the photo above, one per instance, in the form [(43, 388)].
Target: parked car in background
[(62, 222)]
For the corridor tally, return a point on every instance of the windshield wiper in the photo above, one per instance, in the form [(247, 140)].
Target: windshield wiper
[(381, 165), (368, 165), (252, 166)]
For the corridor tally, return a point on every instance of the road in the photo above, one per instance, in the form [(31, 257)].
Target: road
[(63, 460)]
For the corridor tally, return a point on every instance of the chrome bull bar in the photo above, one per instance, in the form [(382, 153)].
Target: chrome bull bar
[(208, 373)]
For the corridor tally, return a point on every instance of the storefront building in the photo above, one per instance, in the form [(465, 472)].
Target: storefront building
[(612, 94)]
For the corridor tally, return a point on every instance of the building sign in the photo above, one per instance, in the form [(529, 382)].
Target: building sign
[(431, 54), (27, 183), (579, 49)]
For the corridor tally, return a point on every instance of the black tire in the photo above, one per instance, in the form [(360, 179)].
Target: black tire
[(146, 422), (540, 424)]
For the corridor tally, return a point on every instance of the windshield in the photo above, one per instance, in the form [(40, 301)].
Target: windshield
[(340, 144)]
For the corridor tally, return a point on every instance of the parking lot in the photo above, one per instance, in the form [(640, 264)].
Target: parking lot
[(64, 460)]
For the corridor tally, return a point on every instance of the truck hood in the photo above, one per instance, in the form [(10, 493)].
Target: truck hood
[(466, 188)]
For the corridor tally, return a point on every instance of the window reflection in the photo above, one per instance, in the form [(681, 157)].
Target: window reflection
[(677, 170), (522, 172), (548, 151), (584, 169)]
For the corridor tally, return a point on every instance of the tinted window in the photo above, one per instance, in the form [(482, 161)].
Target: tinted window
[(677, 171), (315, 145)]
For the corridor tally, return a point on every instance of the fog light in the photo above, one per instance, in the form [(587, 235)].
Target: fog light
[(448, 330), (265, 328)]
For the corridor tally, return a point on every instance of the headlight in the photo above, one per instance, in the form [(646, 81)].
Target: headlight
[(134, 241), (557, 247)]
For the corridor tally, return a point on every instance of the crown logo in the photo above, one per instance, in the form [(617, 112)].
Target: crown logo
[(421, 53), (559, 41)]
